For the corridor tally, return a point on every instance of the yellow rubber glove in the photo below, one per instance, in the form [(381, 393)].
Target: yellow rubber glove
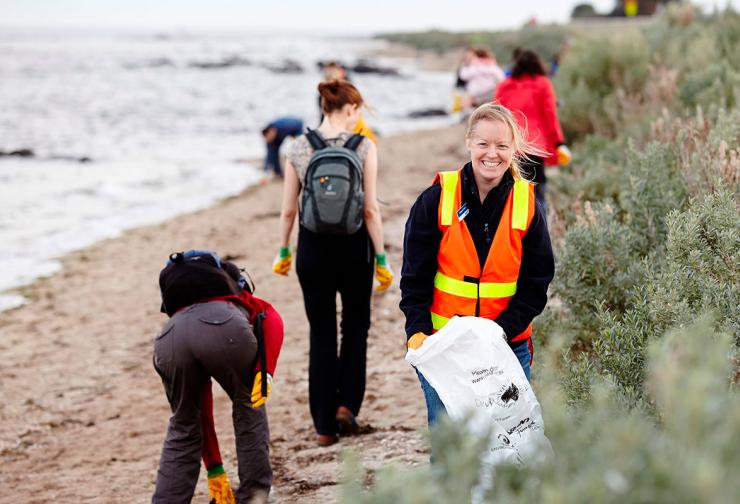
[(383, 272), (281, 264), (416, 341), (564, 155), (258, 400), (362, 128), (219, 487)]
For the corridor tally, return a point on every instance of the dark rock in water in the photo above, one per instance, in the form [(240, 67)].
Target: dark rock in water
[(17, 153), (428, 112), (160, 62), (231, 61), (367, 67), (28, 153), (155, 63), (288, 66)]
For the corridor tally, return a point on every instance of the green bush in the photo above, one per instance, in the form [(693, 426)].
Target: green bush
[(604, 451), (593, 71), (655, 186), (596, 268), (701, 272), (546, 40)]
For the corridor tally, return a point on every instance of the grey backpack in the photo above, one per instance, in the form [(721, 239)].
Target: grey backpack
[(333, 198)]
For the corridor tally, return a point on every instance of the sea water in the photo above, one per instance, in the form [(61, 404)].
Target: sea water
[(131, 128)]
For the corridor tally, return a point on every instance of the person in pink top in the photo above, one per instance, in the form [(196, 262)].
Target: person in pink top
[(529, 94), (481, 75)]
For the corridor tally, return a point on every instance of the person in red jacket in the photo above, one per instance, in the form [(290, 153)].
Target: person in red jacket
[(529, 94)]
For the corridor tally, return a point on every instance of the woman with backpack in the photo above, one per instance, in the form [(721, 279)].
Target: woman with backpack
[(340, 244)]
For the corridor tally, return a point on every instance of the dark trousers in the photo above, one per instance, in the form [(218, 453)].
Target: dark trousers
[(327, 265), (202, 341)]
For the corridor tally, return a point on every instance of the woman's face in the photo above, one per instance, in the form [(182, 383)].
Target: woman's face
[(491, 147)]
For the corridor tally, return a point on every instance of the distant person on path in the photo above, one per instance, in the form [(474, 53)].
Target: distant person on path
[(477, 244), (331, 263), (481, 75), (275, 134), (217, 329), (530, 96)]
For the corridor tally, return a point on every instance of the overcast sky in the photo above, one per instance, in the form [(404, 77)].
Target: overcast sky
[(304, 15)]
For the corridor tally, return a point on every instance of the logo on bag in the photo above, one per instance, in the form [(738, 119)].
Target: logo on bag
[(511, 394), (507, 395)]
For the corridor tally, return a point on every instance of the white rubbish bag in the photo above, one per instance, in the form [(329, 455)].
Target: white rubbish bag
[(478, 377)]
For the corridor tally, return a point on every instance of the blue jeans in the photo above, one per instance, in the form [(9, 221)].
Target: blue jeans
[(434, 404)]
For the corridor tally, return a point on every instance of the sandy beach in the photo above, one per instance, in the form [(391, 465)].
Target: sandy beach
[(84, 414)]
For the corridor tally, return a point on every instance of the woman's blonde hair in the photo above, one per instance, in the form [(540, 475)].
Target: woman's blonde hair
[(522, 148)]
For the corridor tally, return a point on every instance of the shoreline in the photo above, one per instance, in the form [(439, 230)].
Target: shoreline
[(81, 396)]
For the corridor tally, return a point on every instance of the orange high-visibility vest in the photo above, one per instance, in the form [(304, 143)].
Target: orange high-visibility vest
[(460, 287)]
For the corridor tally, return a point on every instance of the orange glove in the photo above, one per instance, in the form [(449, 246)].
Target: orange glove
[(219, 486), (564, 155), (415, 341)]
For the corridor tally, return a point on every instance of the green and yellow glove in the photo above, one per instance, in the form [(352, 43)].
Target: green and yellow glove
[(259, 400), (415, 341), (281, 264), (383, 272), (219, 486)]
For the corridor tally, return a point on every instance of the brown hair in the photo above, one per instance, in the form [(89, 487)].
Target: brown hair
[(496, 112), (336, 93), (527, 62), (483, 52)]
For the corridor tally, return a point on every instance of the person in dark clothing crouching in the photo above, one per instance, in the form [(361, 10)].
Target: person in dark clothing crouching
[(217, 329)]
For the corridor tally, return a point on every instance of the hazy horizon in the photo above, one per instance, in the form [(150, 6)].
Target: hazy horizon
[(326, 16)]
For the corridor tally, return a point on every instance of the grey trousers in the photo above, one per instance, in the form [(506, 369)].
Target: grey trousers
[(207, 340)]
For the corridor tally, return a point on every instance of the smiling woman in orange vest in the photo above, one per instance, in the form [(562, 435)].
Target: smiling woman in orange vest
[(477, 243)]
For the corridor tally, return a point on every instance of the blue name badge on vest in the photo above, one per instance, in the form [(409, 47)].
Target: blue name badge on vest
[(463, 212)]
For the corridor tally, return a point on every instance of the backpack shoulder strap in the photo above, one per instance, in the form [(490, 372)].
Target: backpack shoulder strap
[(314, 138), (353, 142), (261, 351)]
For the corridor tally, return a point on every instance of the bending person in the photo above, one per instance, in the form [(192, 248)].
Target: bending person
[(477, 244), (209, 335), (275, 134)]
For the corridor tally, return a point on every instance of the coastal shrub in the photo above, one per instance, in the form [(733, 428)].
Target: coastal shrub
[(713, 40), (604, 451), (701, 272), (716, 84), (595, 69), (596, 268), (546, 40), (655, 186), (595, 174)]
